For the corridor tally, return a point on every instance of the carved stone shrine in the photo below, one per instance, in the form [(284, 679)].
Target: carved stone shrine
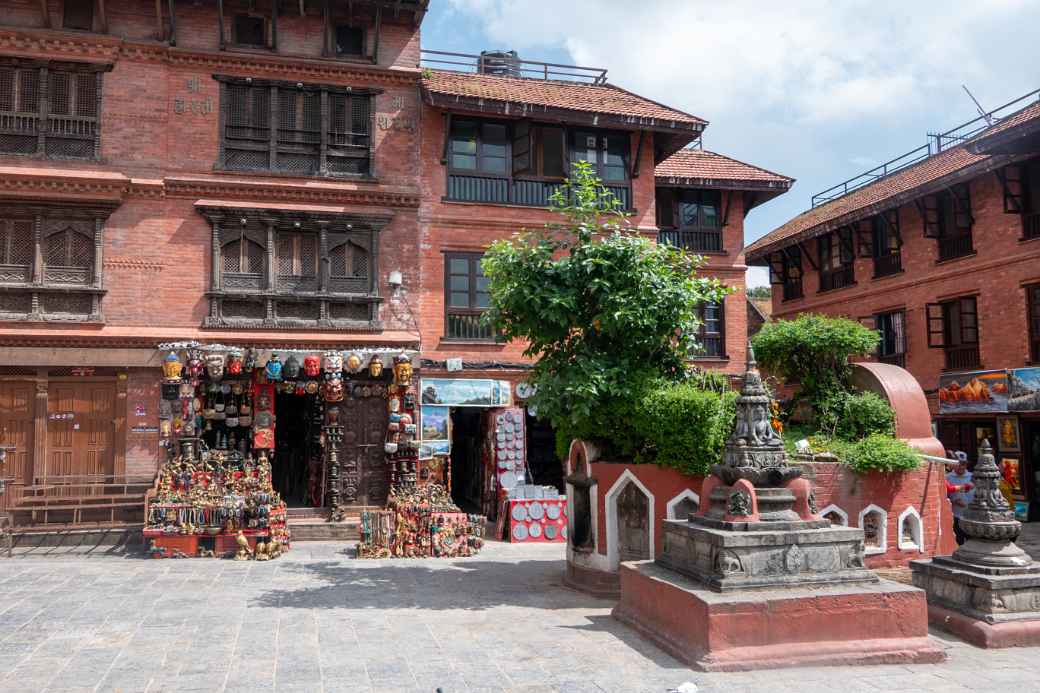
[(988, 591), (757, 579)]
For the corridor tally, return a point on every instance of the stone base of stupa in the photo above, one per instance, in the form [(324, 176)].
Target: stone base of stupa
[(986, 606), (876, 622)]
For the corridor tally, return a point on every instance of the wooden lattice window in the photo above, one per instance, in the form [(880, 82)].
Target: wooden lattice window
[(348, 260), (350, 40), (67, 127), (68, 248), (317, 130), (297, 255), (16, 242), (242, 256)]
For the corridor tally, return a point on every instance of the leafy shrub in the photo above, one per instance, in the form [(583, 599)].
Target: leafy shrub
[(684, 427), (852, 416), (880, 453)]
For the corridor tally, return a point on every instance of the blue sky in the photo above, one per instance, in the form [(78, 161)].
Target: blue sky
[(819, 91)]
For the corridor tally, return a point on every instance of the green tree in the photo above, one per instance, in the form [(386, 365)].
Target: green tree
[(607, 313), (760, 292)]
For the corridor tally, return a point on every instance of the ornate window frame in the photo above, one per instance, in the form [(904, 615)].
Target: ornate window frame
[(270, 301), (882, 546), (41, 292)]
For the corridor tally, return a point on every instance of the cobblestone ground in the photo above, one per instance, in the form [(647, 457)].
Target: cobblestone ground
[(317, 620)]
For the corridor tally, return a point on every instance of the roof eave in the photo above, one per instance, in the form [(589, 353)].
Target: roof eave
[(776, 187), (1023, 138)]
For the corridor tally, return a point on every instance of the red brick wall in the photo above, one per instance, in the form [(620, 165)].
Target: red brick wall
[(996, 274)]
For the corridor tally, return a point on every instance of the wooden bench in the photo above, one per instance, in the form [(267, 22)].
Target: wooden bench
[(79, 495)]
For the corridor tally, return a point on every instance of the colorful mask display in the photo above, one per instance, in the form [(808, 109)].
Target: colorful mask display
[(354, 363), (311, 365), (375, 367), (291, 369), (172, 367), (215, 366), (249, 362), (195, 365), (234, 362), (273, 369), (333, 364), (333, 390), (402, 370)]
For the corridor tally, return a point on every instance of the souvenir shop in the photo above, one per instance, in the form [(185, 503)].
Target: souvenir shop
[(249, 432), (1003, 407)]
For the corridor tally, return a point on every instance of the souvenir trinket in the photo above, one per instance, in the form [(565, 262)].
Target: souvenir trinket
[(215, 366), (263, 438), (273, 369), (375, 366), (234, 362), (195, 365), (165, 409), (354, 362), (164, 428), (311, 365), (170, 391), (333, 390), (172, 367), (333, 364), (409, 400), (249, 361), (332, 416), (187, 391), (402, 369), (395, 404), (291, 369), (311, 388)]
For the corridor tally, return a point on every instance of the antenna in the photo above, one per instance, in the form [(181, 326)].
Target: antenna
[(986, 116)]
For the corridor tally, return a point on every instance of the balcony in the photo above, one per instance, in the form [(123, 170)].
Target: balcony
[(962, 358), (793, 289), (837, 278), (885, 265), (951, 247), (515, 191), (467, 326), (1031, 225), (693, 240)]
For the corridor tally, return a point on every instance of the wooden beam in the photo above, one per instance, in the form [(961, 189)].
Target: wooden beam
[(808, 256), (639, 155), (102, 16), (173, 23), (220, 19), (447, 137), (326, 24), (46, 11), (274, 24), (379, 23), (725, 208), (160, 30)]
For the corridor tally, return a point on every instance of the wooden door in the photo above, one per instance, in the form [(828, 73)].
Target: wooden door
[(80, 429), (364, 475), (633, 528), (17, 423)]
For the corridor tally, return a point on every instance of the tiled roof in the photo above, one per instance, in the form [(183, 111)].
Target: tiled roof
[(1028, 115), (704, 167), (869, 199), (549, 94)]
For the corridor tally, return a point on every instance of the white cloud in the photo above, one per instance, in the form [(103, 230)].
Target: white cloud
[(802, 87)]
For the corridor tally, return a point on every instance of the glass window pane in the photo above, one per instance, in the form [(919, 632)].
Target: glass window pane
[(482, 284), (688, 214), (459, 283), (459, 300), (493, 164), (482, 300), (465, 161), (459, 265), (613, 173), (552, 152), (585, 148), (493, 133)]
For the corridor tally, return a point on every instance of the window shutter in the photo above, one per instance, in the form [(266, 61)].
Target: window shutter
[(865, 238), (931, 216), (665, 208), (777, 268), (523, 148), (847, 252), (7, 82), (962, 219), (969, 321), (936, 324), (1011, 181)]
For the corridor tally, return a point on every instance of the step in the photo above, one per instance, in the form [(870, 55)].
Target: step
[(42, 541), (306, 513), (321, 530)]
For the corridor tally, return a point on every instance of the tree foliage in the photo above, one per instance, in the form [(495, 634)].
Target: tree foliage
[(607, 313), (684, 426)]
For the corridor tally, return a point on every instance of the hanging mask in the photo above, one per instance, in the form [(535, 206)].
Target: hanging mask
[(234, 362), (215, 366), (332, 416), (165, 409), (187, 391), (311, 365), (409, 400), (172, 367), (333, 390), (249, 361), (395, 404), (354, 363), (263, 400), (375, 367), (406, 419), (402, 369), (291, 369), (237, 389), (311, 388), (273, 368), (332, 363), (164, 428), (195, 365)]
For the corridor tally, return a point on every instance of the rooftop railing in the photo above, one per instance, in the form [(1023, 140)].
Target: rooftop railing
[(937, 142), (504, 64)]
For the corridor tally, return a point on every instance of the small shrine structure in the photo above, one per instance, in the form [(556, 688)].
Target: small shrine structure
[(757, 579)]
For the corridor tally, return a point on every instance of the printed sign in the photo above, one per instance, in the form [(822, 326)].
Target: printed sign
[(465, 393), (436, 423)]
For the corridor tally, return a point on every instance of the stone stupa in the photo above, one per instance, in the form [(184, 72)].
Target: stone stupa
[(757, 579)]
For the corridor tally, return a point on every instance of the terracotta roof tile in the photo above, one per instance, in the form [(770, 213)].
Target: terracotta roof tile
[(1019, 118), (705, 166), (574, 96), (869, 199)]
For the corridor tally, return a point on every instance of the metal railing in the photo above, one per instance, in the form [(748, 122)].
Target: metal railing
[(962, 358), (694, 240), (837, 278), (530, 69), (884, 265), (951, 247), (516, 191), (469, 327), (937, 142)]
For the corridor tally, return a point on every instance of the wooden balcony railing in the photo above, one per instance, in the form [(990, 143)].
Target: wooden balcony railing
[(694, 240), (885, 265), (792, 290), (837, 278), (467, 326), (962, 358), (516, 191), (951, 247), (1031, 225)]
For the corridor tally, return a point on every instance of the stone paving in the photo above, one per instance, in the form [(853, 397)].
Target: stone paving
[(318, 620)]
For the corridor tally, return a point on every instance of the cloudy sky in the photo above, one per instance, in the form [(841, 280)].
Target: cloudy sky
[(819, 91)]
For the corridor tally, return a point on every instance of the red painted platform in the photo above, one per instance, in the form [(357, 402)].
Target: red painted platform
[(874, 623), (1019, 633)]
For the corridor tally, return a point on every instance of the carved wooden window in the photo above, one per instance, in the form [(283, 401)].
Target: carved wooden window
[(892, 329), (350, 40), (51, 110), (1030, 205), (250, 30), (297, 255), (947, 217), (296, 129), (16, 243), (243, 256), (68, 248), (953, 326), (348, 260), (837, 259)]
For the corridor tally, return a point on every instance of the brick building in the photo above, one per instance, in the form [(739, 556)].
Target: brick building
[(288, 178), (938, 251)]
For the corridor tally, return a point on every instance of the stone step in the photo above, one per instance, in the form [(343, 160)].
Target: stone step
[(49, 541), (321, 530)]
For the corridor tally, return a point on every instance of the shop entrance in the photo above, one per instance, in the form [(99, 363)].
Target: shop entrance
[(467, 443), (545, 467), (297, 469)]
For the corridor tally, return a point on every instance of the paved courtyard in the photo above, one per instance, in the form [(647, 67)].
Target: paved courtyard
[(317, 620)]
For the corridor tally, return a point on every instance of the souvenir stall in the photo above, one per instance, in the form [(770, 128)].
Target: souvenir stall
[(324, 430)]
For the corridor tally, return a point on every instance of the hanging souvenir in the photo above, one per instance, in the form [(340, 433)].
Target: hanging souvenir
[(406, 419), (395, 404), (234, 362), (172, 367), (291, 369), (215, 366), (237, 389), (355, 392), (189, 426), (375, 366), (332, 416), (354, 362), (409, 400), (311, 388), (187, 391), (273, 370), (195, 365), (263, 439), (333, 390), (300, 389), (402, 369), (333, 364), (263, 399), (170, 391), (311, 365), (263, 419), (164, 428), (165, 409), (249, 360)]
